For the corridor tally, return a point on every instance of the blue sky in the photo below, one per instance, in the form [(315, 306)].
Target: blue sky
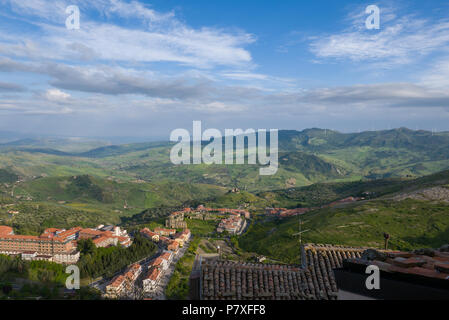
[(145, 68)]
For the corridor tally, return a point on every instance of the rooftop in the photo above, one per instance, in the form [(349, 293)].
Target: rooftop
[(321, 259), (5, 230), (117, 281), (248, 281), (153, 274), (427, 263), (165, 255)]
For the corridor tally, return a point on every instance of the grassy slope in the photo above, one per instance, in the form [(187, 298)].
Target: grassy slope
[(34, 217), (306, 157), (411, 223), (113, 194), (89, 201)]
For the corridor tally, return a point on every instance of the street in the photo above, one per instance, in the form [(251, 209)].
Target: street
[(159, 292)]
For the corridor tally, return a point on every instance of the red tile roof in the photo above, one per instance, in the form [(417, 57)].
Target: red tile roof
[(100, 239), (157, 262), (5, 230), (51, 230), (164, 230), (153, 274), (165, 255), (117, 281)]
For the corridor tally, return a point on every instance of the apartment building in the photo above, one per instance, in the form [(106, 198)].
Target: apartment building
[(60, 244), (47, 244), (106, 236), (164, 232), (152, 279), (147, 233), (123, 282), (232, 225), (116, 287), (156, 270)]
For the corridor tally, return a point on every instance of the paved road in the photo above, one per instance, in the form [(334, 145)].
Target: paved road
[(244, 227)]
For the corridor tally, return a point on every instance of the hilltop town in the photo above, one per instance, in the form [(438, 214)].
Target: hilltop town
[(232, 221)]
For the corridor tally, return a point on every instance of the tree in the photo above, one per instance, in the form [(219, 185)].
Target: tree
[(86, 246), (6, 288)]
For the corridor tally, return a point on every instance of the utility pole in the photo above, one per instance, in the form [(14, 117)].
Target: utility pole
[(386, 238)]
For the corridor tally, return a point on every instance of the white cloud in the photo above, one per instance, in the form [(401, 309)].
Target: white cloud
[(245, 76), (437, 75), (112, 74), (56, 95), (400, 40), (162, 38), (48, 10)]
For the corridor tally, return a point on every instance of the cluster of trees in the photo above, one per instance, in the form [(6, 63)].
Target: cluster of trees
[(11, 265), (149, 215), (95, 262), (34, 217), (46, 291), (235, 245), (34, 279), (8, 176), (42, 271), (84, 185)]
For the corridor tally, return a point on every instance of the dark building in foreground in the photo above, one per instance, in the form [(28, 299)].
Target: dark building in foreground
[(214, 279), (418, 275), (328, 272)]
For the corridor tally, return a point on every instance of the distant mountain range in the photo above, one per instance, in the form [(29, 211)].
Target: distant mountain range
[(306, 157)]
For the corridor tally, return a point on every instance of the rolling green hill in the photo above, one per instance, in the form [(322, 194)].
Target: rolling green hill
[(109, 192), (137, 184), (412, 222), (88, 201), (35, 217), (306, 157)]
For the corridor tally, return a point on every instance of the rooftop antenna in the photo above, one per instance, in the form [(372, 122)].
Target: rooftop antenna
[(299, 233)]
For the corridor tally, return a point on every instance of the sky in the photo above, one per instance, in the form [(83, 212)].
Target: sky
[(145, 68)]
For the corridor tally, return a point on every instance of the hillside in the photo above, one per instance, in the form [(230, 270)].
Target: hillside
[(411, 223), (7, 176), (87, 200), (35, 217), (413, 212), (306, 157), (94, 190)]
